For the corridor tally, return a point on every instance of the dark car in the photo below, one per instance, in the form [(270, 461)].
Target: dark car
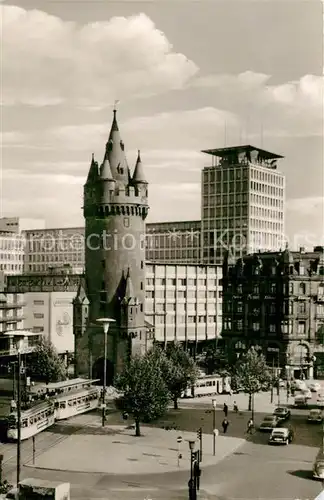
[(269, 423), (282, 413)]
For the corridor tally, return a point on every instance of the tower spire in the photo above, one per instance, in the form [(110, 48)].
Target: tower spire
[(93, 170), (138, 176), (115, 153)]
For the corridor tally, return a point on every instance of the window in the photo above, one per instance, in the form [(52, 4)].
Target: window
[(239, 307), (272, 328), (302, 307), (38, 315), (302, 289), (291, 288), (182, 282), (38, 302), (256, 289), (240, 325), (301, 329), (256, 327), (273, 288)]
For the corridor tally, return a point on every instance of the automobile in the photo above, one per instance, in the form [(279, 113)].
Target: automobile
[(306, 393), (315, 416), (282, 413), (314, 387), (320, 399), (269, 422), (318, 467), (301, 401), (281, 435), (298, 385)]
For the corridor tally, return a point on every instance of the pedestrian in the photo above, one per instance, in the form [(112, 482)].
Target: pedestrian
[(235, 407), (225, 425), (225, 409), (250, 426), (13, 405)]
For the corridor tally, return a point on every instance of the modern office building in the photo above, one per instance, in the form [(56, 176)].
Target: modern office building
[(275, 300), (174, 242), (243, 197), (12, 253), (184, 303)]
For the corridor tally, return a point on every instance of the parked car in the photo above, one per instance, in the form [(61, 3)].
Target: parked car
[(306, 393), (281, 435), (315, 417), (314, 387), (269, 422), (282, 413), (301, 401), (318, 467), (298, 385), (320, 399)]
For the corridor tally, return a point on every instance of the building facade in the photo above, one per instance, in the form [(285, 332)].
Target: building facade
[(173, 242), (243, 197), (184, 303), (275, 300), (12, 253)]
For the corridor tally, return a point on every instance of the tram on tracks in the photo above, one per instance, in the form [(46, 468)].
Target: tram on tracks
[(208, 385), (62, 401), (75, 403), (34, 420)]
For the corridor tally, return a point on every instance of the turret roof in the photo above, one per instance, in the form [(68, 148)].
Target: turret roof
[(93, 170), (139, 176), (105, 170), (115, 153), (81, 296)]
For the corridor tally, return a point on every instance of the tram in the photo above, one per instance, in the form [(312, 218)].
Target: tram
[(75, 403), (208, 385), (34, 420), (55, 388)]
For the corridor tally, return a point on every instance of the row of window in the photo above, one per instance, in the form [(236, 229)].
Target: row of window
[(291, 288), (265, 189), (182, 319), (183, 282), (190, 294), (286, 327), (265, 201)]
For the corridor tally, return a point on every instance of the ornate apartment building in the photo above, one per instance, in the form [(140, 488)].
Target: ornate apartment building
[(275, 300)]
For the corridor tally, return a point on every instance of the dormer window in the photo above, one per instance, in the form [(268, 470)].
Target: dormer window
[(109, 145), (122, 145)]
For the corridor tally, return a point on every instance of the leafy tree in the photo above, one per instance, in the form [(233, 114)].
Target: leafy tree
[(44, 364), (251, 373), (214, 360), (145, 394), (179, 371)]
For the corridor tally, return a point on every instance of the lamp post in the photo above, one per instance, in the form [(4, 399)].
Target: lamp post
[(18, 417), (191, 483), (214, 402), (105, 324)]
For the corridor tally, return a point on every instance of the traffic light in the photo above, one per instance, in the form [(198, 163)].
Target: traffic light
[(199, 433)]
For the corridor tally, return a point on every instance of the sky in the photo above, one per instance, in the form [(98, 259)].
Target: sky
[(189, 75)]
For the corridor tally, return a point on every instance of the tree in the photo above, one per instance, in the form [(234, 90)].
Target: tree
[(251, 373), (145, 394), (180, 370), (214, 360), (45, 364)]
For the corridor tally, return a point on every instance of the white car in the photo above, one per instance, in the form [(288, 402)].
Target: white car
[(299, 385), (306, 393), (314, 387)]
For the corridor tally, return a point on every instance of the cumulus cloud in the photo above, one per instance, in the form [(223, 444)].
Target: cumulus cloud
[(46, 60), (292, 108)]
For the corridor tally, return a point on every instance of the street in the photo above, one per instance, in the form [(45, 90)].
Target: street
[(254, 471)]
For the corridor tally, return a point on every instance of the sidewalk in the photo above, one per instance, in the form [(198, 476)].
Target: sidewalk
[(119, 451)]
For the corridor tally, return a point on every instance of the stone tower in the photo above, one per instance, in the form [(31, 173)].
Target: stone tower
[(115, 208)]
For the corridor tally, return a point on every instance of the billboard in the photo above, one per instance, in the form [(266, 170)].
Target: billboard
[(61, 320)]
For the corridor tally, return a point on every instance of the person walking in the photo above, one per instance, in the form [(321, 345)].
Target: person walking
[(250, 426), (225, 410), (225, 425), (235, 407)]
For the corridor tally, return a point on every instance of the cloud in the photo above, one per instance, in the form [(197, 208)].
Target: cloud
[(293, 108), (306, 206), (46, 60)]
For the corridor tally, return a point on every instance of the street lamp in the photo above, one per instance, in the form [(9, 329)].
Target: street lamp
[(214, 402), (18, 417), (105, 324), (191, 480)]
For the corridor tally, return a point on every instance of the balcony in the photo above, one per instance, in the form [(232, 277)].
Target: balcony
[(11, 319)]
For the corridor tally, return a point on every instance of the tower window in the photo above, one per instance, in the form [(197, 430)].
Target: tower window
[(126, 221), (141, 285), (141, 307), (142, 264)]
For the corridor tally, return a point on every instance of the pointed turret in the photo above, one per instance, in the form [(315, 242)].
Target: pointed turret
[(115, 153), (93, 170), (138, 176), (81, 296), (129, 290), (105, 171)]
